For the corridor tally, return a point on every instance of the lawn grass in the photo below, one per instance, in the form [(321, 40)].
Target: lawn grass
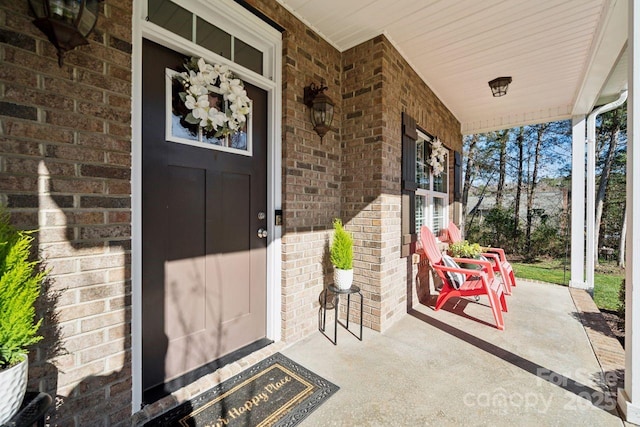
[(607, 285), (551, 271)]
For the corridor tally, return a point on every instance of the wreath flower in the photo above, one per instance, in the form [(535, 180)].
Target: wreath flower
[(437, 157), (212, 98)]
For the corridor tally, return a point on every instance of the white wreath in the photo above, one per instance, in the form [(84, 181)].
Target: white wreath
[(202, 85), (438, 157)]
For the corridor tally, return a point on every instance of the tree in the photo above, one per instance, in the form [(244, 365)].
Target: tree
[(539, 131), (612, 226), (612, 123), (502, 137), (519, 179), (470, 144), (518, 159)]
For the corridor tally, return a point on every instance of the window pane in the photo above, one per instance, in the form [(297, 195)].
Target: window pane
[(422, 170), (180, 131), (421, 208), (438, 215), (440, 182), (171, 17), (238, 140), (213, 38), (87, 20), (247, 56)]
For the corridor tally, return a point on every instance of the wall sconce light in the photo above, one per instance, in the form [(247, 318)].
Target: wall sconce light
[(66, 23), (499, 86), (321, 108)]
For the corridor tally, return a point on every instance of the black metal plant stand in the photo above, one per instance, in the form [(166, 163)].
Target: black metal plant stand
[(33, 410), (337, 292)]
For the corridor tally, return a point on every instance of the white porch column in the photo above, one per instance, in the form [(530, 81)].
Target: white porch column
[(577, 203), (590, 248), (629, 398)]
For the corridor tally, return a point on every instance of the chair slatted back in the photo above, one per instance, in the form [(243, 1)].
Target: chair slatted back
[(454, 233), (430, 246)]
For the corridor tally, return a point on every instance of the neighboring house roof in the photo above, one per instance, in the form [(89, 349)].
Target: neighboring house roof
[(551, 202)]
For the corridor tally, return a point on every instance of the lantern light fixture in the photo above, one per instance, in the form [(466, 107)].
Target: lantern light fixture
[(321, 108), (499, 86), (66, 23)]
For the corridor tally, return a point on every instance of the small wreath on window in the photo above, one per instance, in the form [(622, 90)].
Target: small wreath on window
[(210, 98), (438, 157)]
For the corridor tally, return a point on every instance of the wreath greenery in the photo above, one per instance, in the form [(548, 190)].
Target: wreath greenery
[(210, 97), (437, 157)]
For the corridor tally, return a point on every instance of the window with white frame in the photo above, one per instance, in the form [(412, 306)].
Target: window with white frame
[(431, 196)]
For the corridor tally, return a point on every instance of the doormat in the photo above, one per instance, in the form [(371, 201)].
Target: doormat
[(275, 392)]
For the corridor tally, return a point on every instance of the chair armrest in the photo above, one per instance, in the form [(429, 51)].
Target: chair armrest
[(494, 257), (467, 271), (485, 264), (499, 251)]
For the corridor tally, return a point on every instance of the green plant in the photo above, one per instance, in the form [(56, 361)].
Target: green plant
[(607, 286), (342, 247), (20, 281), (464, 249), (622, 304), (546, 240)]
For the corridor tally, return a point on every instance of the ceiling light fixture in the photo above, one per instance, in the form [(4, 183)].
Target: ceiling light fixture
[(499, 86)]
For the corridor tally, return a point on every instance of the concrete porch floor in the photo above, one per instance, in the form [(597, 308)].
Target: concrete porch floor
[(451, 367)]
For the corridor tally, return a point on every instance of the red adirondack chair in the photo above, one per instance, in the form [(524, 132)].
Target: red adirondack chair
[(500, 264), (476, 282)]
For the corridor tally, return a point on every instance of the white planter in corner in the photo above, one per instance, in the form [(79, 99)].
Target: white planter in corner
[(13, 385), (342, 278)]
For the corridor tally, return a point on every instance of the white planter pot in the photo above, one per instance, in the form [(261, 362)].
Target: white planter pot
[(13, 385), (342, 278)]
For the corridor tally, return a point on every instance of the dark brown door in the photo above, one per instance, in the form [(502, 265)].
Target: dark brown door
[(204, 266)]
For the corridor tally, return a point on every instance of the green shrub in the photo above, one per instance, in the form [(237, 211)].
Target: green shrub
[(622, 304), (545, 240), (342, 247), (500, 224), (20, 281), (464, 249)]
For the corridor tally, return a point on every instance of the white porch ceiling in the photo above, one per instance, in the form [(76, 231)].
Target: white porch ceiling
[(560, 53)]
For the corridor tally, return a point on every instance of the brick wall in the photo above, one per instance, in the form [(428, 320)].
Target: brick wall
[(378, 85), (362, 175), (65, 170), (405, 91), (311, 171)]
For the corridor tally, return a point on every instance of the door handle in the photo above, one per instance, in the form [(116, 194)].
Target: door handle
[(262, 233)]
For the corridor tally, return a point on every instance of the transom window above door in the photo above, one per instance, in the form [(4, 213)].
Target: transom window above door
[(188, 25)]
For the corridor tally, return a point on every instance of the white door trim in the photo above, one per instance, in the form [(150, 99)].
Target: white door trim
[(252, 30)]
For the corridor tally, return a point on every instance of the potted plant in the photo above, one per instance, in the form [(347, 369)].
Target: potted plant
[(20, 281), (464, 249), (341, 254)]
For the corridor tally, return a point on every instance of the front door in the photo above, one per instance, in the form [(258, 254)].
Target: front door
[(204, 263)]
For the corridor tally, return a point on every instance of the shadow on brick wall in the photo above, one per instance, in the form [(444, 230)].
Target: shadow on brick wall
[(67, 355), (43, 373)]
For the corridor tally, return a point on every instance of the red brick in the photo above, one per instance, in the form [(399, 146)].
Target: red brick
[(79, 121), (31, 61), (42, 132), (64, 86), (26, 95), (101, 352), (78, 311)]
